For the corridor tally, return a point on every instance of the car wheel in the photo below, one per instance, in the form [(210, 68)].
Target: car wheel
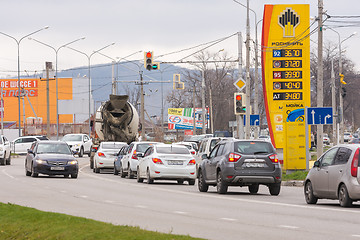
[(254, 188), (116, 172), (191, 182), (8, 161), (138, 178), (74, 175), (309, 194), (33, 173), (221, 186), (274, 188), (2, 161), (81, 152), (130, 174), (203, 187), (344, 199), (149, 180), (122, 173), (180, 181), (97, 170)]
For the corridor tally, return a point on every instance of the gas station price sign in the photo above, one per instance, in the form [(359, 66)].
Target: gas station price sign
[(286, 76)]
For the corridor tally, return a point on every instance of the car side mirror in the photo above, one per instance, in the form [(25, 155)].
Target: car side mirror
[(316, 164), (204, 156), (30, 151)]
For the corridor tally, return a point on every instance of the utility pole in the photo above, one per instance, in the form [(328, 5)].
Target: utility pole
[(203, 101), (341, 100), (194, 120), (142, 107), (320, 76), (48, 68), (239, 122), (248, 93), (333, 101), (113, 83)]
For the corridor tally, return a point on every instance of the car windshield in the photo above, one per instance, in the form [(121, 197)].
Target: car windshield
[(245, 147), (140, 148), (112, 145), (42, 138), (45, 148), (172, 150), (69, 138)]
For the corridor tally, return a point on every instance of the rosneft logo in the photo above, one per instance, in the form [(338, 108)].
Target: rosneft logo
[(289, 20)]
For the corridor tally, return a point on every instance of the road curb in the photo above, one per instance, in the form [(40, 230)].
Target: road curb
[(294, 183)]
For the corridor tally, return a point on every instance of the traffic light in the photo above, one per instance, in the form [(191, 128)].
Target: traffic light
[(239, 103), (148, 62), (343, 92)]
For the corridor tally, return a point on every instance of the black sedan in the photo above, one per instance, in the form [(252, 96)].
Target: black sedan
[(51, 158)]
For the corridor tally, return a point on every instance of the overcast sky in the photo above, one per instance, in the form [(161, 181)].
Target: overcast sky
[(162, 26)]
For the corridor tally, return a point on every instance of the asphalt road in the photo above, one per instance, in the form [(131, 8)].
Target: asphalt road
[(180, 209)]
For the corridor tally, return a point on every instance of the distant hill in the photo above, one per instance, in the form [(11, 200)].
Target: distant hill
[(101, 76)]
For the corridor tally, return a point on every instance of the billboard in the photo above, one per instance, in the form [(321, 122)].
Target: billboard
[(183, 118), (286, 77)]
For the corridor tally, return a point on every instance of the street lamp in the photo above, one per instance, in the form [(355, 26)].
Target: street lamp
[(341, 100), (18, 63), (56, 76), (89, 58)]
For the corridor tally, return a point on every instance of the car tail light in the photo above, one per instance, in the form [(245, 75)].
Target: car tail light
[(192, 162), (157, 161), (233, 157), (274, 158), (355, 164), (134, 155), (193, 152), (100, 154)]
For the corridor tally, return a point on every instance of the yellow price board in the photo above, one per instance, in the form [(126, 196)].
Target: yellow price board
[(286, 77)]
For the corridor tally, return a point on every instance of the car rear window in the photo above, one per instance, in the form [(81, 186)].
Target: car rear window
[(112, 145), (43, 138), (172, 150), (249, 147)]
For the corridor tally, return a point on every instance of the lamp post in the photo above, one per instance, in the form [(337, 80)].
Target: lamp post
[(18, 63), (341, 100), (56, 76), (89, 61)]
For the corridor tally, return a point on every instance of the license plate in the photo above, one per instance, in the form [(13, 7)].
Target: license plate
[(174, 162), (255, 165), (57, 168)]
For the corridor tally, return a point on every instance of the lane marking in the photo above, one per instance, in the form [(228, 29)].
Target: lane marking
[(355, 235), (109, 201), (180, 212), (228, 219), (84, 196), (10, 176), (289, 227), (141, 206), (207, 196)]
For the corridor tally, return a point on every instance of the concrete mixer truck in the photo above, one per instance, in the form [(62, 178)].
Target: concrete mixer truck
[(115, 120)]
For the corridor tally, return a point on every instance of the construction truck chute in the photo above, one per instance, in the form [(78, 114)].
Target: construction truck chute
[(115, 120)]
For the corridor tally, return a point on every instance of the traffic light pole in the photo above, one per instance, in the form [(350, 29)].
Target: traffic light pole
[(247, 124), (142, 108)]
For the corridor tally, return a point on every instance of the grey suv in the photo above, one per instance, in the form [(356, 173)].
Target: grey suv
[(240, 163), (335, 175)]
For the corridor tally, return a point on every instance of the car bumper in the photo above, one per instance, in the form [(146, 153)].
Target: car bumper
[(354, 189), (163, 172), (104, 163), (2, 154), (46, 169), (240, 178)]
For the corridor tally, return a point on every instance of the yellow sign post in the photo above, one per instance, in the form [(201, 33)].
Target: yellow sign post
[(286, 78)]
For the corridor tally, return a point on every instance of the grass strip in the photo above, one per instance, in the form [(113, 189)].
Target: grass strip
[(17, 222), (297, 175)]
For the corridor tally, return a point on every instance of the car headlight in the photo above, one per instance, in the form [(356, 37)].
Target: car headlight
[(77, 145), (73, 162), (1, 149), (39, 161)]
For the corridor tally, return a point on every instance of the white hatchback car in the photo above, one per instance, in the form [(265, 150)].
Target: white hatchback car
[(21, 144), (106, 155), (80, 143), (5, 151), (167, 162)]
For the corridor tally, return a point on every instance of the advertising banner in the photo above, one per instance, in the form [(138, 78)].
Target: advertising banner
[(183, 118)]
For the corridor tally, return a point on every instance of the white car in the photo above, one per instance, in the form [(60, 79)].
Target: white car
[(106, 155), (188, 145), (326, 139), (347, 137), (167, 162), (80, 143), (21, 144), (265, 138), (130, 161), (5, 151)]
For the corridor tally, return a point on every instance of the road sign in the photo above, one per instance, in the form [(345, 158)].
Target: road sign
[(254, 120), (319, 115), (239, 84)]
